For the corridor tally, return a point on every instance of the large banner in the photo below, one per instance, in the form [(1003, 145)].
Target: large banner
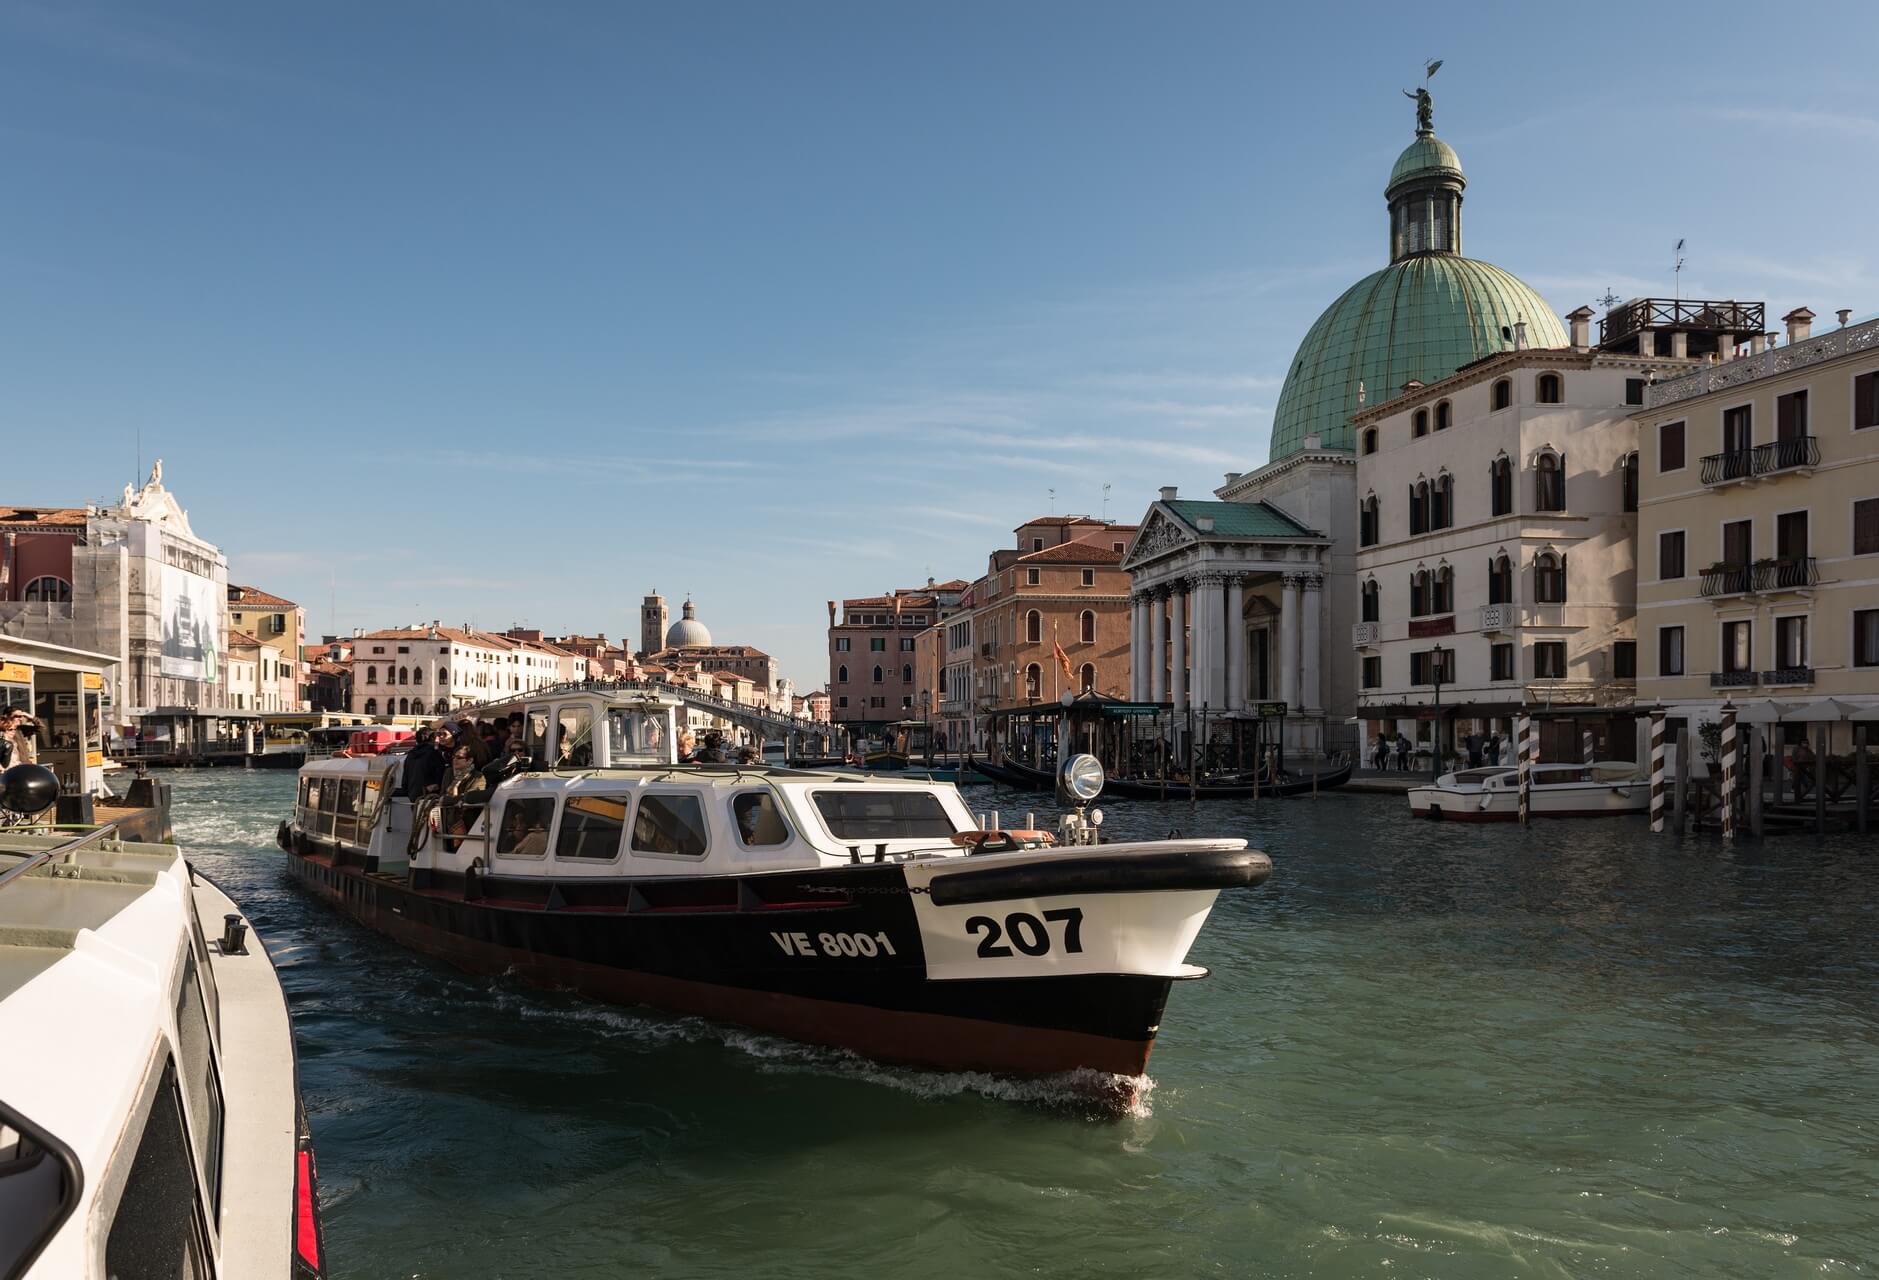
[(192, 607)]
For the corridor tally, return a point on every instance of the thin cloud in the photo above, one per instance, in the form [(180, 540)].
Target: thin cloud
[(1852, 124)]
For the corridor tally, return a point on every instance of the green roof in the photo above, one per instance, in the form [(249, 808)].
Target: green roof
[(1419, 319), (1427, 157), (1241, 519)]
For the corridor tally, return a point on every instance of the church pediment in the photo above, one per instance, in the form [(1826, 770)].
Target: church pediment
[(1158, 536)]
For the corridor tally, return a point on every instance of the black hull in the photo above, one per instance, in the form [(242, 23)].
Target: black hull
[(713, 947), (1013, 774)]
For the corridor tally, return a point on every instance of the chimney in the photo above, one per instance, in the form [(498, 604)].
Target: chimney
[(1845, 314), (1758, 342), (1580, 323), (831, 613), (1169, 492), (1679, 345), (1800, 323)]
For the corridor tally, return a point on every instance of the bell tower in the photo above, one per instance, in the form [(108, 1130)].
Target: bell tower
[(652, 620)]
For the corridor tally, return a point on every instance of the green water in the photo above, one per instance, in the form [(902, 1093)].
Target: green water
[(1424, 1051)]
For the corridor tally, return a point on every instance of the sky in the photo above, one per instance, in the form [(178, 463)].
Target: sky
[(511, 313)]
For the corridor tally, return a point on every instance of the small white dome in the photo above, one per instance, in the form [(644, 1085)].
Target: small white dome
[(688, 632)]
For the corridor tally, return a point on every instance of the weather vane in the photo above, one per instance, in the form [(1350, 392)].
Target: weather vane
[(1425, 105), (1609, 300)]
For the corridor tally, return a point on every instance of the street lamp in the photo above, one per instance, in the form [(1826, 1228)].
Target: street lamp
[(1438, 663), (926, 729)]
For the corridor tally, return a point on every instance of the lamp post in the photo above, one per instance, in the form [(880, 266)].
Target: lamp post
[(926, 729), (1438, 663)]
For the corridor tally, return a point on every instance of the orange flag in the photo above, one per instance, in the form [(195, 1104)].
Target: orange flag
[(1063, 660)]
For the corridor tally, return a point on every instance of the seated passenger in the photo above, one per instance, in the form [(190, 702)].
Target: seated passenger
[(688, 747), (713, 752)]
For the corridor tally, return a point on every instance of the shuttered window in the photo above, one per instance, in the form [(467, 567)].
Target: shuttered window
[(1866, 401), (1670, 447), (1866, 527)]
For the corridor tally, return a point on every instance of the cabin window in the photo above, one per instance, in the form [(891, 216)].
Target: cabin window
[(635, 735), (202, 1087), (758, 820), (591, 826), (157, 1230), (670, 824), (576, 742), (525, 823), (535, 733), (883, 815)]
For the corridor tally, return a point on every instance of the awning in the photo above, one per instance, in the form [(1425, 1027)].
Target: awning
[(1818, 711)]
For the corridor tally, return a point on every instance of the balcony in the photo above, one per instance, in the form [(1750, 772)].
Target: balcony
[(1727, 580), (1790, 574), (1365, 635), (1736, 465), (1789, 675), (1496, 618), (1727, 468), (1732, 679)]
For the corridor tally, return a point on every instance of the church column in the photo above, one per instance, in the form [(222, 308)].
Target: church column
[(1311, 694), (1158, 647), (1236, 643), (1288, 643), (1138, 648), (1206, 691), (1177, 645)]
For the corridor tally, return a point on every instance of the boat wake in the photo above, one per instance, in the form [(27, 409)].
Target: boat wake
[(1094, 1095)]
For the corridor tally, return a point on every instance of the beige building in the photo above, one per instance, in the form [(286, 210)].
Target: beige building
[(1759, 527), (280, 627), (1497, 549)]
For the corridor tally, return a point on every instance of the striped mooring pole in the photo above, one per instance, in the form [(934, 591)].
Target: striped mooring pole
[(1587, 751), (1657, 769), (1729, 772), (1523, 740)]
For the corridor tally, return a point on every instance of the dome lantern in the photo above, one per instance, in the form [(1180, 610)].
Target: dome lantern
[(688, 632), (1424, 192)]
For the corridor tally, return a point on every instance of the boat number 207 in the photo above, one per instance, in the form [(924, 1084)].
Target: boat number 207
[(1026, 932)]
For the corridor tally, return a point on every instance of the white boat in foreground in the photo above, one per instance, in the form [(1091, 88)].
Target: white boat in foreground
[(150, 1118), (1607, 789)]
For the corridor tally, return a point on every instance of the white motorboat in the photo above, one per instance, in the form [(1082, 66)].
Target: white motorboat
[(150, 1117), (1607, 789)]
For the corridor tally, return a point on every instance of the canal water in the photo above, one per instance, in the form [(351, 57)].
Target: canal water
[(1425, 1050)]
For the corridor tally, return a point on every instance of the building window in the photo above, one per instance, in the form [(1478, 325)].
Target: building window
[(877, 702), (1422, 422), (1501, 482), (1625, 659), (404, 706), (1419, 593), (1502, 395), (1089, 577), (1866, 527), (371, 675), (1431, 666), (877, 644), (906, 673), (1033, 627), (1670, 651), (1444, 598), (841, 675), (1367, 514), (1670, 446), (1037, 544), (1738, 646), (841, 644), (1549, 660), (417, 706), (1370, 602), (1086, 679), (842, 702), (1419, 507), (1373, 673), (1442, 416), (1033, 682), (906, 644), (1670, 555), (1086, 627), (1791, 642), (1546, 389), (1791, 416), (371, 706), (877, 675), (1634, 391), (49, 590), (1031, 577), (1630, 479), (1549, 483), (1370, 440), (1501, 662), (1549, 578), (1866, 401), (1442, 497), (1500, 580), (1866, 637)]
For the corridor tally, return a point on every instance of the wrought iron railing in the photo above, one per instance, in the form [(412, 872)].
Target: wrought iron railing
[(1785, 455), (1733, 580), (1722, 468), (1732, 679), (1788, 574), (1789, 675)]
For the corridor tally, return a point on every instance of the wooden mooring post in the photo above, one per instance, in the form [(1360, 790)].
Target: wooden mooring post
[(1753, 800), (1862, 779), (1682, 793), (1820, 779)]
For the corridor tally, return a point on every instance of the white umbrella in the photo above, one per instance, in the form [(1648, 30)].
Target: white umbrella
[(1816, 711), (1765, 711), (1869, 712)]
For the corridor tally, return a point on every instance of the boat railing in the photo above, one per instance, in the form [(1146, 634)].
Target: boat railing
[(57, 853)]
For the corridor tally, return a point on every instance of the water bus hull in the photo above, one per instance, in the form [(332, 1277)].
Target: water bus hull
[(1612, 790)]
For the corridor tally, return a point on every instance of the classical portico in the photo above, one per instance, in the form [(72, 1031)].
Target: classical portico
[(1228, 612)]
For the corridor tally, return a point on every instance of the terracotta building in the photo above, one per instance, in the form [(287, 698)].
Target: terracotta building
[(873, 642)]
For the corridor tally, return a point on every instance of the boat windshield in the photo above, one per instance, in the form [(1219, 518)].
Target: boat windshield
[(883, 815), (635, 736), (1477, 775)]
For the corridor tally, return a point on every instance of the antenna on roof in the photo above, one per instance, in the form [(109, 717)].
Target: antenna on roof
[(1053, 500), (1676, 275), (1105, 503)]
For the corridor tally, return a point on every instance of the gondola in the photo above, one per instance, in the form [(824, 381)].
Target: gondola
[(1013, 774)]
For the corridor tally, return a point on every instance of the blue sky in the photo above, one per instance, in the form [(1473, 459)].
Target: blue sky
[(509, 312)]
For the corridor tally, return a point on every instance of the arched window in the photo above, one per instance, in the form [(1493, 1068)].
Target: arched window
[(49, 590), (1501, 483), (1368, 513), (1034, 627), (906, 673), (1442, 512), (404, 706), (1547, 389), (404, 676), (443, 676), (1370, 440), (1033, 681), (1549, 578), (1443, 415), (1549, 483), (1422, 422), (1502, 395), (371, 706), (1371, 603), (1419, 507), (877, 675), (1419, 593), (1444, 600), (371, 675), (1500, 580), (417, 706), (1086, 627), (841, 675), (1086, 679)]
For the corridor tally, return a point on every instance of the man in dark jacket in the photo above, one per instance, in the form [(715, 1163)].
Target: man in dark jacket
[(424, 767)]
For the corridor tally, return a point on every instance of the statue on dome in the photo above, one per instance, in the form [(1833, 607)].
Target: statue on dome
[(1425, 109)]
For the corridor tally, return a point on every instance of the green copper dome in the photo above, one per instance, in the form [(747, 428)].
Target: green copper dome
[(1427, 314)]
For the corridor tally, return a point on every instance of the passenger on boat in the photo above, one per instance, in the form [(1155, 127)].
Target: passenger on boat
[(750, 755), (424, 767), (513, 760), (465, 795), (713, 752), (688, 747)]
